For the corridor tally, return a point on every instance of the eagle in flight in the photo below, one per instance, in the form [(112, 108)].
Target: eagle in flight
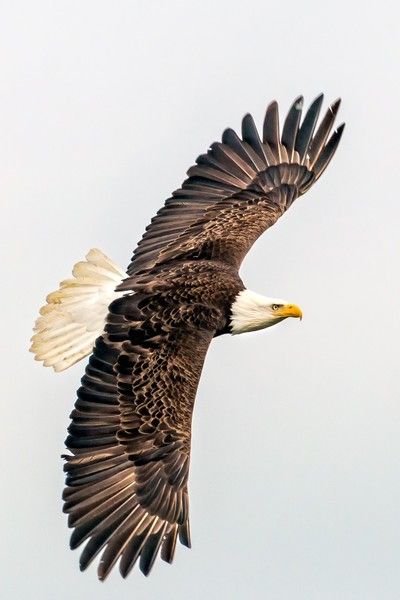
[(147, 331)]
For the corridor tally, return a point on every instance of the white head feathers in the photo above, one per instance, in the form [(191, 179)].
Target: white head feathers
[(251, 311)]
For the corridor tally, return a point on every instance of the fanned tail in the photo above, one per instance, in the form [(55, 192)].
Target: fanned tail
[(74, 315)]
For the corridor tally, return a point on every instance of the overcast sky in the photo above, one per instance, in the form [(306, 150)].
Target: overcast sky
[(295, 472)]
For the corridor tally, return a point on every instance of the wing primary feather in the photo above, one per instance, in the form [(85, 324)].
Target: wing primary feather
[(184, 534), (307, 127), (116, 547), (133, 548), (250, 135), (245, 151), (271, 133), (169, 545), (150, 550), (291, 126), (98, 541), (328, 152), (322, 133)]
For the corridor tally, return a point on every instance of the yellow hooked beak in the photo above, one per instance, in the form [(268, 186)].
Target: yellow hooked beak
[(289, 310)]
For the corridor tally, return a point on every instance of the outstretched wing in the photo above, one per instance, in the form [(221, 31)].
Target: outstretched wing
[(240, 188), (130, 433)]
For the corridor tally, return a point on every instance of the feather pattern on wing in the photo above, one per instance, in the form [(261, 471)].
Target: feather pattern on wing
[(129, 439), (239, 188)]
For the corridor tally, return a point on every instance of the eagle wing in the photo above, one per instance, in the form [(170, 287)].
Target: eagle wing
[(240, 188), (130, 433)]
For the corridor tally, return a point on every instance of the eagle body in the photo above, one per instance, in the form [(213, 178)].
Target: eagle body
[(208, 283), (147, 330)]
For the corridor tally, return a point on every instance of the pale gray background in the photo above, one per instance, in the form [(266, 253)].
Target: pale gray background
[(294, 485)]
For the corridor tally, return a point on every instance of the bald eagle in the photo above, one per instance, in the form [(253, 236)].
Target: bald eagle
[(147, 331)]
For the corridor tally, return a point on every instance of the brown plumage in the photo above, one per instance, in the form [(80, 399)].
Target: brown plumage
[(129, 440)]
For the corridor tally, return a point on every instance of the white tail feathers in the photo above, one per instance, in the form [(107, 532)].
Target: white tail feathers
[(74, 315)]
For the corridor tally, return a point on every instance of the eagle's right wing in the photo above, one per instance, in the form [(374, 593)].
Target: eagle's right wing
[(129, 439), (239, 189)]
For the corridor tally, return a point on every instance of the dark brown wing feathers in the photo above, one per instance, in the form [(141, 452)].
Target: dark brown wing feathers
[(291, 126), (307, 128), (323, 131), (129, 440), (225, 172)]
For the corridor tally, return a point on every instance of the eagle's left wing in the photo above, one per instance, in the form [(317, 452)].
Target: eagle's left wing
[(129, 439)]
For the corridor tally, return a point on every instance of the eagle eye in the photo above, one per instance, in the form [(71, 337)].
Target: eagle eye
[(276, 306)]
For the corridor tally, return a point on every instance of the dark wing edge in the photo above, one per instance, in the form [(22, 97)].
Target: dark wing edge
[(277, 169), (126, 477)]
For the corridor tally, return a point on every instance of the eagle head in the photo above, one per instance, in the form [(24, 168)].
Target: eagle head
[(251, 311)]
